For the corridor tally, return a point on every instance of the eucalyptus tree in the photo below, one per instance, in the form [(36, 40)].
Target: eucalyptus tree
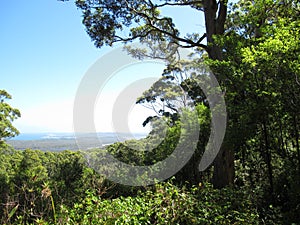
[(7, 115), (260, 70), (112, 21)]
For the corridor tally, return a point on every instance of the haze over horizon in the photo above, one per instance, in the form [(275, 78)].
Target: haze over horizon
[(45, 52)]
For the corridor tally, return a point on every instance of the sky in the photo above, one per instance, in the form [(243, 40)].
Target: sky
[(44, 55)]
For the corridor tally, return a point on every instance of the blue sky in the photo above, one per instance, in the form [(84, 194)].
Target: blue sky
[(45, 52)]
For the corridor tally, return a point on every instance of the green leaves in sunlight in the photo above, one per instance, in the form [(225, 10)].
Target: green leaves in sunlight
[(166, 203), (7, 116)]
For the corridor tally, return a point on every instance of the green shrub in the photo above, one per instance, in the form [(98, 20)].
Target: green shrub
[(166, 204)]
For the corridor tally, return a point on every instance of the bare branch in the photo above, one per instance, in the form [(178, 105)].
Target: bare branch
[(178, 4), (202, 38), (132, 38)]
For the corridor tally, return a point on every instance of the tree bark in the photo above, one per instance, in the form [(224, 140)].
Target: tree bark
[(224, 167), (215, 16), (268, 156), (297, 140)]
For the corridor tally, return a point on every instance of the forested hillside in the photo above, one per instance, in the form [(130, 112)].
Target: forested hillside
[(253, 50)]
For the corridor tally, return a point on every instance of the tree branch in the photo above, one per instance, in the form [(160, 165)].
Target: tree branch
[(172, 35), (178, 4)]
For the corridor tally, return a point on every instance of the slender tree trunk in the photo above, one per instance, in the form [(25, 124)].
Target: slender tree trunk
[(268, 157), (297, 140), (282, 146), (215, 16)]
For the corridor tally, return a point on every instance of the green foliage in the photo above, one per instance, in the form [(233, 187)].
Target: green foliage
[(108, 22), (7, 116), (35, 192), (164, 138), (167, 204), (259, 74), (33, 183)]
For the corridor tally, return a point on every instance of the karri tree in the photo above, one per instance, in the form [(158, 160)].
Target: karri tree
[(111, 21)]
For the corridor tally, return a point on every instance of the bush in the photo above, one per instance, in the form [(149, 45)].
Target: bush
[(166, 204)]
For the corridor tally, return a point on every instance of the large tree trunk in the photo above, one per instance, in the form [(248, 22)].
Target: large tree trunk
[(215, 16), (224, 167)]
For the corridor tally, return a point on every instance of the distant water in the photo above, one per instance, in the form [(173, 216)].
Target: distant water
[(70, 136), (68, 141), (42, 136)]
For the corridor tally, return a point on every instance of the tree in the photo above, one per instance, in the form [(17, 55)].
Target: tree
[(7, 116), (112, 21), (260, 70)]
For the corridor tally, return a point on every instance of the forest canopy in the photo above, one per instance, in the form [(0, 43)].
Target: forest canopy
[(253, 49)]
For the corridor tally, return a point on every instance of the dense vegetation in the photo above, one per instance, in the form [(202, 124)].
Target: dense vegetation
[(254, 53), (59, 188)]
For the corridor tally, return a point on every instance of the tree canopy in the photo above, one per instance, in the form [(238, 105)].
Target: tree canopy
[(7, 115), (256, 61), (243, 44), (108, 22)]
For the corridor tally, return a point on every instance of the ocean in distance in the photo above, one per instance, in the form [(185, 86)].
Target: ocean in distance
[(68, 141)]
